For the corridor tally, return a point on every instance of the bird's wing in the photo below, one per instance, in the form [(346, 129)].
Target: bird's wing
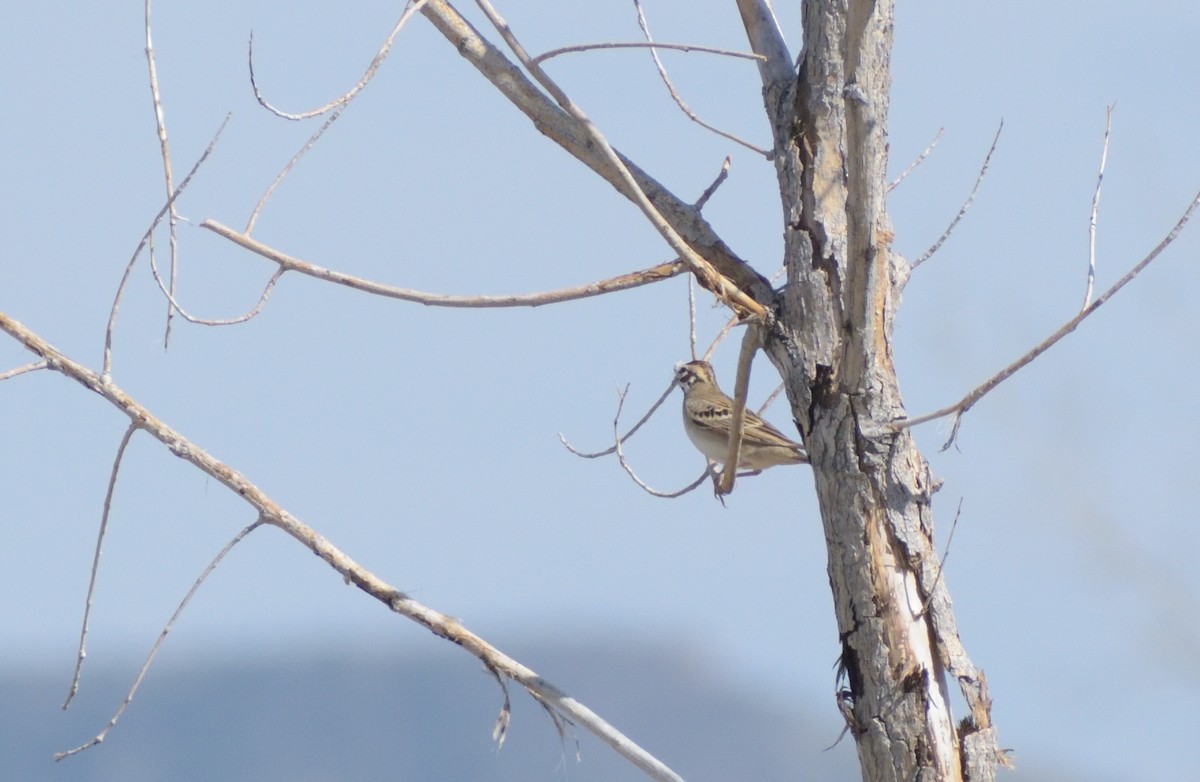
[(709, 413), (758, 431), (717, 414)]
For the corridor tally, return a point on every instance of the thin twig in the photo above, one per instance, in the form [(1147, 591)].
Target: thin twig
[(629, 470), (692, 316), (717, 340), (687, 110), (626, 436), (190, 318), (352, 572), (563, 727), (161, 125), (162, 636), (724, 288), (708, 191), (751, 342), (967, 205), (913, 165), (337, 106), (679, 47), (34, 367), (623, 282), (106, 370), (733, 279), (722, 175), (1091, 276), (770, 398), (963, 405), (91, 590), (941, 564), (287, 169), (504, 718), (349, 95)]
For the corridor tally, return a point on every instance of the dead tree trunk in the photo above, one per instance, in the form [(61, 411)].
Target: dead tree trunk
[(832, 344)]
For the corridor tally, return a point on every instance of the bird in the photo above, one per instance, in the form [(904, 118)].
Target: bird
[(708, 415)]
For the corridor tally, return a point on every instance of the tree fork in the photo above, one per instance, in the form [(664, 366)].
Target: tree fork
[(832, 345)]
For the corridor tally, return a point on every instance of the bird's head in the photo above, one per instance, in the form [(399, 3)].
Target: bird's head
[(693, 372)]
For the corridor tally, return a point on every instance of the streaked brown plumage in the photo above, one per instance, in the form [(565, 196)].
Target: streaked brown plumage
[(708, 414)]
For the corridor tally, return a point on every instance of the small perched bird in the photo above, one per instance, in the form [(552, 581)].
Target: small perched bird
[(708, 415)]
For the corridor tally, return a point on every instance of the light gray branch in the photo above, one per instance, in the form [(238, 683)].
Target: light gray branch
[(573, 136), (272, 513), (286, 262)]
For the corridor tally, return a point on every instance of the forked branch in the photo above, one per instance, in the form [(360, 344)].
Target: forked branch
[(146, 237), (737, 299), (766, 38), (967, 402), (272, 513), (619, 437), (350, 94), (91, 589), (559, 119), (158, 642), (669, 495), (687, 110)]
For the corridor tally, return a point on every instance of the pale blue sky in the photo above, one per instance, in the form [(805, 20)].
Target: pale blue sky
[(423, 441)]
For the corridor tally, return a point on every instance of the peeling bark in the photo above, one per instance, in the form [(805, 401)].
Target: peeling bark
[(832, 344)]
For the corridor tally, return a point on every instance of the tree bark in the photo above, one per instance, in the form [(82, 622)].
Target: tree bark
[(832, 344)]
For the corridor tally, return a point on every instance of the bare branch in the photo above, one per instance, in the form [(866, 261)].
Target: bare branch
[(700, 202), (942, 563), (162, 636), (963, 405), (566, 130), (762, 30), (751, 342), (724, 173), (253, 311), (737, 299), (116, 305), (717, 340), (629, 470), (679, 47), (627, 435), (500, 728), (287, 169), (662, 271), (348, 96), (666, 80), (272, 513), (770, 398), (720, 180), (34, 367), (913, 165), (161, 125), (1091, 277), (692, 317), (91, 590), (563, 727), (967, 205)]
